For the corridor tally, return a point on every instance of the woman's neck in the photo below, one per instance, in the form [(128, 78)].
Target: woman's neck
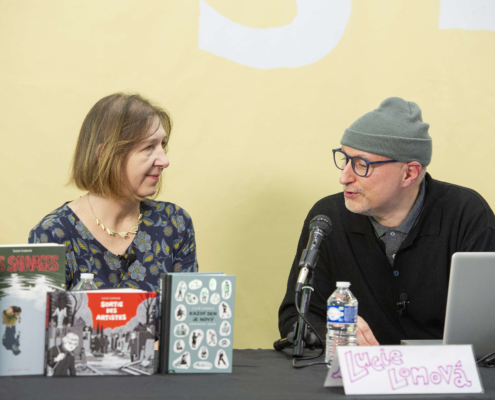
[(117, 215)]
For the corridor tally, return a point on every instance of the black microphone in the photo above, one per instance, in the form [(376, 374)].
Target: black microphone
[(402, 304), (319, 227), (129, 261)]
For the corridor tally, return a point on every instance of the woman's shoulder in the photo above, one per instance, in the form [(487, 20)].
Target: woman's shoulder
[(164, 209), (168, 218), (55, 223), (57, 215)]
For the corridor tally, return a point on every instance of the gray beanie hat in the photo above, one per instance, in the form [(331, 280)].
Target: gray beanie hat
[(395, 130)]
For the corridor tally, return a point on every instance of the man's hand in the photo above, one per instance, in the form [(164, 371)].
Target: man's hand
[(364, 334)]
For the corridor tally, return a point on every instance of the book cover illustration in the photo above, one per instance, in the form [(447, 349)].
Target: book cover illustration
[(200, 322), (27, 273), (101, 332)]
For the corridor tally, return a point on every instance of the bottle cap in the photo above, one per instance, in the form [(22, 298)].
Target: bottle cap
[(87, 276), (339, 284)]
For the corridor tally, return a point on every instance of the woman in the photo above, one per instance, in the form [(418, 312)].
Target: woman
[(115, 230)]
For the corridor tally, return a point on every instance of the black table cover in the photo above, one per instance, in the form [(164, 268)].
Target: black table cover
[(257, 374)]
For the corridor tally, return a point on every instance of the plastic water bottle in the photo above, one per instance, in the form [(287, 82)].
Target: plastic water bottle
[(342, 311), (86, 283)]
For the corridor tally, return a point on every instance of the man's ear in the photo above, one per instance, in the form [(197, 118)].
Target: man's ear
[(412, 173)]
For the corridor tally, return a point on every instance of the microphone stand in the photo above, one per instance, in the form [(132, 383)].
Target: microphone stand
[(303, 338), (300, 337)]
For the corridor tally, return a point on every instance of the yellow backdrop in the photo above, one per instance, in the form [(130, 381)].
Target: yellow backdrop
[(251, 147)]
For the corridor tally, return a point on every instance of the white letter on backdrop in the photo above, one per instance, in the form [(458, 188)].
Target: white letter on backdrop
[(314, 32), (472, 15)]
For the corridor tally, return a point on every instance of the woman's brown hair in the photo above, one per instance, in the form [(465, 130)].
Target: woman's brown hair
[(108, 134)]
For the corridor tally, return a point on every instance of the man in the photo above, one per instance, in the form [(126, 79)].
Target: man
[(10, 339), (395, 229), (132, 347), (61, 359)]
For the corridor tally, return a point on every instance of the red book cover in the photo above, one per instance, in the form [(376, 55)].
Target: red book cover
[(100, 332)]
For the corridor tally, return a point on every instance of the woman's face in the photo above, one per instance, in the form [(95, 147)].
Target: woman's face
[(146, 162)]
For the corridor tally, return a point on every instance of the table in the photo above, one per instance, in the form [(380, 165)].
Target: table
[(257, 374)]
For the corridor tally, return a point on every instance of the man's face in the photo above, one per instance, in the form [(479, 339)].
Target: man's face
[(379, 193)]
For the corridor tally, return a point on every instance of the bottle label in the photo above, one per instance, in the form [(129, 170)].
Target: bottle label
[(343, 314)]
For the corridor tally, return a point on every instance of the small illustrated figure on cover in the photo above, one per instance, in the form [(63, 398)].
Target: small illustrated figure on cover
[(119, 344), (183, 362), (61, 358), (226, 290), (10, 339), (93, 343), (213, 339), (115, 338), (194, 339), (106, 343), (99, 344), (83, 356), (59, 315), (133, 347)]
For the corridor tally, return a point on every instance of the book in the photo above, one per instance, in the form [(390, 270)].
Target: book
[(197, 322), (100, 332), (27, 273)]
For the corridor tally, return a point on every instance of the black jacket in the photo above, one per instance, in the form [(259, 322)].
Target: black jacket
[(453, 219), (63, 367)]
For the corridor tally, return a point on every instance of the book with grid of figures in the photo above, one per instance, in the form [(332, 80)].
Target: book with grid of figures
[(100, 332), (197, 321), (27, 273)]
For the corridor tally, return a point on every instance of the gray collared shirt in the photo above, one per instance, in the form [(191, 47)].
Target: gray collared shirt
[(393, 237)]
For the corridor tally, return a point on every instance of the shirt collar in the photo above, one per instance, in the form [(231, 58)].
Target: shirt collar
[(428, 222), (411, 218)]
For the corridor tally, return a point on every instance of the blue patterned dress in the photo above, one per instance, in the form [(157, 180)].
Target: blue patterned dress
[(164, 243)]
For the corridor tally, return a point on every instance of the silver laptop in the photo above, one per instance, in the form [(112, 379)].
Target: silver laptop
[(470, 317)]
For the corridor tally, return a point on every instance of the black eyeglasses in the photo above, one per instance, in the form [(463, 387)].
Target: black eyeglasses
[(360, 166)]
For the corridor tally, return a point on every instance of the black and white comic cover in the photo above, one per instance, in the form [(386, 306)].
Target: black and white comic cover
[(101, 332)]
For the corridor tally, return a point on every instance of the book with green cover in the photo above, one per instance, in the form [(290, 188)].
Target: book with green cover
[(197, 322), (27, 273)]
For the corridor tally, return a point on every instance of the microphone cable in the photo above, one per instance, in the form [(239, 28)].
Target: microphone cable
[(295, 360), (487, 361)]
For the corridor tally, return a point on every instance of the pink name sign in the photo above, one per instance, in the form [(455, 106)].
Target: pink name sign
[(405, 370)]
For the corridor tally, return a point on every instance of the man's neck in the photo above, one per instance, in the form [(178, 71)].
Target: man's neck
[(395, 217)]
